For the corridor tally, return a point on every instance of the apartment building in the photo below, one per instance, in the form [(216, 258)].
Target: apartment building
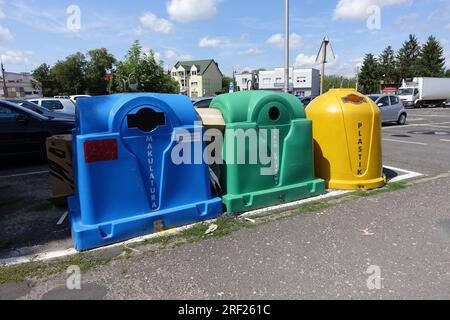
[(199, 78)]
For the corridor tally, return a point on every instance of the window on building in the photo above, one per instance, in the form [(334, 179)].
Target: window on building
[(194, 73), (266, 80), (174, 74), (278, 80), (194, 84), (301, 79)]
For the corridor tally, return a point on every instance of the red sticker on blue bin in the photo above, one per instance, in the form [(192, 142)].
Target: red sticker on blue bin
[(100, 150)]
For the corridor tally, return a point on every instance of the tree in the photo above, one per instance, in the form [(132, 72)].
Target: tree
[(432, 59), (369, 75), (99, 65), (388, 68), (143, 71), (225, 85), (334, 82), (69, 74), (408, 58), (447, 73), (42, 74)]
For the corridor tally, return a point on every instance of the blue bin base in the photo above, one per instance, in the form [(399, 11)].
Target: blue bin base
[(87, 237)]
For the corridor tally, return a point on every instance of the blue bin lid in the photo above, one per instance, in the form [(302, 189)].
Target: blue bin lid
[(106, 113)]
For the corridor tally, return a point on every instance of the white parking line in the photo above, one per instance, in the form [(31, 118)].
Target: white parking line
[(417, 125), (408, 174), (46, 256), (445, 140), (408, 142), (24, 174)]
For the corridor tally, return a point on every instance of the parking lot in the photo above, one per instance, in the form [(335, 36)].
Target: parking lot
[(321, 254)]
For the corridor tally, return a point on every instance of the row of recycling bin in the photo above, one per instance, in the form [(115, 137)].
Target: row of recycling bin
[(128, 183)]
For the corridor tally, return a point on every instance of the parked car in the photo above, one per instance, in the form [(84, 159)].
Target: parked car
[(446, 104), (42, 111), (23, 131), (307, 100), (202, 102), (56, 105), (392, 108)]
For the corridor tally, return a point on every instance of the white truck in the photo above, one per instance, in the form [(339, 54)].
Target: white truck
[(425, 92)]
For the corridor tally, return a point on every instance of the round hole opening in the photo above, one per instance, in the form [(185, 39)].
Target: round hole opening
[(274, 113)]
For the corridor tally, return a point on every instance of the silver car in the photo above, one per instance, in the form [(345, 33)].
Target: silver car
[(392, 108)]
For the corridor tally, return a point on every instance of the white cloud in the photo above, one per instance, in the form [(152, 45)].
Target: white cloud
[(277, 40), (192, 10), (151, 21), (17, 57), (172, 55), (5, 34), (304, 61), (252, 52), (358, 9), (206, 42)]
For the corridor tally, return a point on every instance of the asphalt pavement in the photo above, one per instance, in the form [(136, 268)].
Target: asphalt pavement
[(388, 246)]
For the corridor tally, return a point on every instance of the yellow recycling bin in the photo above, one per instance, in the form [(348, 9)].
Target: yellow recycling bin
[(347, 140)]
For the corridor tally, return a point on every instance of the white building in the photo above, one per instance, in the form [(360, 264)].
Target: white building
[(19, 85), (245, 81), (302, 82)]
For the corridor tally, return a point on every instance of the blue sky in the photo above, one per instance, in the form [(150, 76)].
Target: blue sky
[(240, 34)]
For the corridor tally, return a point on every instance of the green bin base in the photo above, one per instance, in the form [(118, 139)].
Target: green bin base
[(273, 197)]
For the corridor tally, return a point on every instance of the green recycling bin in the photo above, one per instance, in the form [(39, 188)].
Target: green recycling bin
[(267, 151)]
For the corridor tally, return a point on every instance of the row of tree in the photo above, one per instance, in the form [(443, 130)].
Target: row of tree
[(99, 72), (412, 60)]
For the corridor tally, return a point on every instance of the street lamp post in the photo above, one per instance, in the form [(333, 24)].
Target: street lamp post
[(286, 46)]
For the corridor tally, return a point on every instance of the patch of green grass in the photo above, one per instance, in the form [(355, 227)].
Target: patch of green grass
[(388, 188), (44, 206), (41, 270), (313, 207)]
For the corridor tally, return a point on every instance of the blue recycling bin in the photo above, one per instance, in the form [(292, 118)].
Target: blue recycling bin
[(127, 183)]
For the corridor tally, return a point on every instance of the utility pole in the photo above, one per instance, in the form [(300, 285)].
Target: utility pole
[(5, 88), (323, 58), (286, 46)]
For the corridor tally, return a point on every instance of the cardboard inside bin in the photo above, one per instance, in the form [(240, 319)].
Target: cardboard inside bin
[(211, 118), (59, 155)]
